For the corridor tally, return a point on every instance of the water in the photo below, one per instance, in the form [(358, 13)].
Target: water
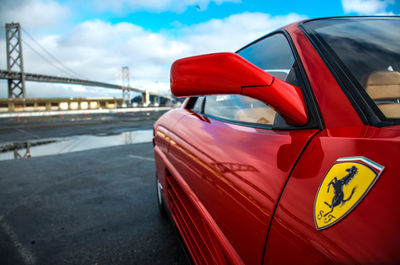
[(54, 146)]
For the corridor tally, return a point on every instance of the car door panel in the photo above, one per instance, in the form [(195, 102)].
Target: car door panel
[(205, 241), (237, 172)]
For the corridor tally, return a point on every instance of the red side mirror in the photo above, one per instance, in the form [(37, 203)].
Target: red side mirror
[(228, 73)]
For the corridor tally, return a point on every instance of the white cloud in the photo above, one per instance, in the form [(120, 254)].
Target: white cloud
[(366, 7), (97, 50), (33, 13), (233, 32), (100, 49), (158, 5)]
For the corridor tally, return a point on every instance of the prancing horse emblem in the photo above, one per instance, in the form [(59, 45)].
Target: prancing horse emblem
[(343, 187), (338, 197)]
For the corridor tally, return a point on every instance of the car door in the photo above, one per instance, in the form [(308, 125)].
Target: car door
[(233, 155)]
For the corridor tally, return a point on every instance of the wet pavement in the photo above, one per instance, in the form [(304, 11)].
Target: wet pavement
[(95, 205), (55, 146), (33, 128)]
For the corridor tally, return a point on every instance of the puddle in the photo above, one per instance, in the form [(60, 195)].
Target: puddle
[(56, 146)]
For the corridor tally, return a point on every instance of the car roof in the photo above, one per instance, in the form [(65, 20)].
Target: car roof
[(336, 17)]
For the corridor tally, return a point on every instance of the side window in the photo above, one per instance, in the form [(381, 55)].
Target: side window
[(239, 108), (272, 54)]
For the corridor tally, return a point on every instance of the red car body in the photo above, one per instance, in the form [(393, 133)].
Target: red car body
[(242, 194)]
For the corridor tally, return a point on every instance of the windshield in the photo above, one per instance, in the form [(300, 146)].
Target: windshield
[(369, 49)]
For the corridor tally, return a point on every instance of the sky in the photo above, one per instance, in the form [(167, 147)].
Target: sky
[(94, 39)]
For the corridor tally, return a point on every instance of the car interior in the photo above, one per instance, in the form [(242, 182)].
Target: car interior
[(384, 88)]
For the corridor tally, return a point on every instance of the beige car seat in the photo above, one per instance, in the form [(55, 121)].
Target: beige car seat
[(256, 115), (385, 85)]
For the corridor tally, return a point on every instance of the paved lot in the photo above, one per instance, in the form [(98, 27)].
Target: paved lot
[(12, 130), (90, 207)]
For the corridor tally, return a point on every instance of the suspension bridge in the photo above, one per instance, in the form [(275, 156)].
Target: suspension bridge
[(16, 76)]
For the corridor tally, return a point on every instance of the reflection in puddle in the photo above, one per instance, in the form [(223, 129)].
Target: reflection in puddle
[(72, 144)]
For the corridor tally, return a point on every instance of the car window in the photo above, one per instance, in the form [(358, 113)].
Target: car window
[(369, 50), (272, 54), (239, 108)]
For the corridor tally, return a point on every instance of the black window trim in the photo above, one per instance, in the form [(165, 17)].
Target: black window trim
[(313, 112), (367, 110)]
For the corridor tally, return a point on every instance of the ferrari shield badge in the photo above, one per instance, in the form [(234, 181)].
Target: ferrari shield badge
[(343, 187)]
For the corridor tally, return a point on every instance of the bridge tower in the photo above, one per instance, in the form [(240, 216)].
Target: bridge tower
[(15, 62), (145, 98), (125, 84)]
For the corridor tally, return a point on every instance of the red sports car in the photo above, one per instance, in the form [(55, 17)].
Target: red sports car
[(288, 151)]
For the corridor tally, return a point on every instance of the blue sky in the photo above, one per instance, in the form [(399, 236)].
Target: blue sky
[(96, 38), (157, 20)]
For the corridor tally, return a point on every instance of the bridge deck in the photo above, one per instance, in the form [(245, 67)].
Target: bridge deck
[(4, 74)]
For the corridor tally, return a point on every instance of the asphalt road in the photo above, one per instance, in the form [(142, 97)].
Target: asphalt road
[(14, 130), (90, 207)]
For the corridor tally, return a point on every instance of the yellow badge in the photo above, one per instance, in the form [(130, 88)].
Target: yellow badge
[(343, 187)]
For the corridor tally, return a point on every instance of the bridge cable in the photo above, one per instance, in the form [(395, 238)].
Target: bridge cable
[(53, 57), (45, 59)]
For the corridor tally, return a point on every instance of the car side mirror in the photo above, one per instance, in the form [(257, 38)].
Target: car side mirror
[(228, 73)]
